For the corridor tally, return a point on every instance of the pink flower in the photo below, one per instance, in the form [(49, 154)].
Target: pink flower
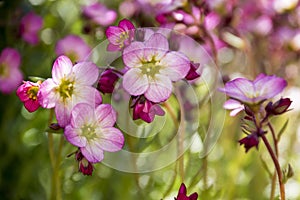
[(27, 93), (74, 47), (100, 14), (120, 36), (30, 25), (10, 74), (91, 129), (152, 68), (182, 194), (69, 86), (254, 92), (146, 110)]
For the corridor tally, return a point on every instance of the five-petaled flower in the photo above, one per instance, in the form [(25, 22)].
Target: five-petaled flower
[(10, 74), (27, 93), (69, 86), (152, 68), (91, 129), (254, 92), (120, 36), (145, 110), (183, 196)]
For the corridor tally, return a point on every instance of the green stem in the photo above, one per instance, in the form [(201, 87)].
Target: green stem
[(277, 167)]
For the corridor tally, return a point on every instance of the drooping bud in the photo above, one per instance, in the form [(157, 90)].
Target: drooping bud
[(194, 72), (107, 81), (84, 166), (250, 141), (279, 107)]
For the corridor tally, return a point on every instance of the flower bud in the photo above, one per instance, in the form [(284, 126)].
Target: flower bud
[(193, 74), (279, 107), (84, 166), (107, 81), (250, 141)]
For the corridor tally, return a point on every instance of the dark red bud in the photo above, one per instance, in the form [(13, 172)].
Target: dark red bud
[(279, 107)]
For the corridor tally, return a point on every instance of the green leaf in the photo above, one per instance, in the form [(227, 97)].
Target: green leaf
[(282, 129)]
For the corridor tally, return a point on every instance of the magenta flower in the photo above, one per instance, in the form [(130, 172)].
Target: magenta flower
[(69, 86), (233, 105), (27, 93), (30, 26), (10, 74), (152, 68), (182, 194), (120, 36), (84, 166), (146, 110), (254, 92), (91, 129), (100, 14), (74, 47), (107, 81)]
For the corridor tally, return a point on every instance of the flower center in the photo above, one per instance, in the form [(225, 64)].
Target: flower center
[(3, 70), (123, 36), (89, 132), (150, 68), (66, 88), (32, 92)]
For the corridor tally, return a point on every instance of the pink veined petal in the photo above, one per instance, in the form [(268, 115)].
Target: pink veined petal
[(31, 105), (133, 54), (82, 114), (111, 47), (157, 46), (240, 89), (106, 115), (86, 94), (61, 67), (86, 73), (232, 104), (110, 139), (63, 112), (159, 89), (73, 136), (113, 34), (92, 153), (11, 57), (134, 82), (22, 93), (175, 65), (126, 25), (47, 96), (234, 112)]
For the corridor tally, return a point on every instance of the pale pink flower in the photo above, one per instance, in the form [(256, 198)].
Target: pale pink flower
[(69, 86), (91, 129), (30, 26)]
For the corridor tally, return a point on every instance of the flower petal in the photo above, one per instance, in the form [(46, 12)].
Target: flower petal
[(47, 96), (113, 34), (157, 46), (86, 94), (73, 136), (82, 114), (11, 57), (61, 67), (133, 54), (126, 24), (92, 153), (175, 65), (31, 105), (86, 73), (110, 139), (63, 112), (134, 82), (159, 89), (106, 115)]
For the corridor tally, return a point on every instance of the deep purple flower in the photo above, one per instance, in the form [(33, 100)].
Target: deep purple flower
[(91, 129), (279, 107), (100, 14), (250, 141), (183, 196), (120, 36), (152, 68), (69, 86), (254, 92), (84, 166), (27, 93), (107, 81), (10, 75), (194, 72), (73, 47), (30, 26), (233, 105), (146, 110)]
